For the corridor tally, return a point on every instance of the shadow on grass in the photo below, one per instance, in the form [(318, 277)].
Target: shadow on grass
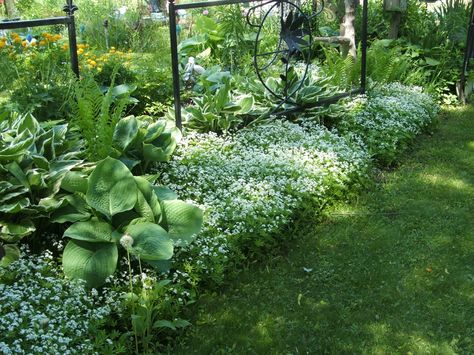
[(392, 273)]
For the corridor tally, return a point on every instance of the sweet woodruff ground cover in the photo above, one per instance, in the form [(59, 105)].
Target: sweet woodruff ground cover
[(252, 185), (388, 273)]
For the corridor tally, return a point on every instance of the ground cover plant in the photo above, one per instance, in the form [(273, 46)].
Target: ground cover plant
[(43, 312), (137, 217), (390, 272)]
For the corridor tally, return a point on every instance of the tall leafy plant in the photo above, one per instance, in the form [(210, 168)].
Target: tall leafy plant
[(147, 221), (96, 114)]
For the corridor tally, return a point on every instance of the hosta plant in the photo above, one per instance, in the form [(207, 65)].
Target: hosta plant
[(219, 111), (139, 141), (121, 210), (33, 162)]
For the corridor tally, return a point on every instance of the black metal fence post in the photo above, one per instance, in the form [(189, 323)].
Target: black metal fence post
[(70, 8), (175, 63)]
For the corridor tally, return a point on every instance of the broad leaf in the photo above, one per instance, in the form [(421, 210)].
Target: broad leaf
[(182, 220), (246, 104), (75, 210), (9, 253), (150, 242), (152, 153), (15, 205), (18, 173), (94, 231), (125, 133), (154, 131), (112, 188), (12, 232), (74, 181), (147, 205), (92, 262), (165, 193), (51, 203)]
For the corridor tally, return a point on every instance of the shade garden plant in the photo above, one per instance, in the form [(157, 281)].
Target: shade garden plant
[(112, 220)]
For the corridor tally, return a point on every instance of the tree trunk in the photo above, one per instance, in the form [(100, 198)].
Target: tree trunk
[(11, 8), (394, 25), (347, 28)]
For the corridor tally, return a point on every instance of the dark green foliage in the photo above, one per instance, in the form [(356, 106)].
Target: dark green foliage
[(33, 162), (140, 141), (124, 210), (96, 113)]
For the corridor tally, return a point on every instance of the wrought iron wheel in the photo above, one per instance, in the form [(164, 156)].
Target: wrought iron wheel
[(293, 47)]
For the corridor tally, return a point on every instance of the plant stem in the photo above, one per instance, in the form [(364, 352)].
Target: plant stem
[(133, 302)]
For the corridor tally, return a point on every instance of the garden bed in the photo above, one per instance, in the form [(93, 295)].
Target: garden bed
[(250, 185)]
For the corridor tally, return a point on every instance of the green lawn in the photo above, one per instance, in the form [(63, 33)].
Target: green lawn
[(392, 273)]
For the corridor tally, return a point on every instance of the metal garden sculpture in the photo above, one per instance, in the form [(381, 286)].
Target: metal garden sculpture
[(293, 46)]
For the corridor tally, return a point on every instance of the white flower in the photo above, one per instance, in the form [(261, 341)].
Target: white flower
[(126, 241)]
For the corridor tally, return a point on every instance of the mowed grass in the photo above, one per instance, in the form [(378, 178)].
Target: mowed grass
[(391, 273)]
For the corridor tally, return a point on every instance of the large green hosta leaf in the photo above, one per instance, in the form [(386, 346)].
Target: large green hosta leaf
[(15, 206), (112, 188), (14, 231), (75, 210), (92, 262), (8, 254), (161, 148), (150, 242), (74, 181), (165, 193), (148, 205), (125, 133), (154, 131), (94, 231), (182, 220)]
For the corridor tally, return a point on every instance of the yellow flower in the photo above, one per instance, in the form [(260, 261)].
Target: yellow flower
[(24, 43), (57, 37), (65, 46), (17, 40), (2, 44), (42, 43), (80, 51)]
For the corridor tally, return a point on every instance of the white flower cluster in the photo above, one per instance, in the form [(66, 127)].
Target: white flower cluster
[(251, 183), (389, 119), (41, 313)]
